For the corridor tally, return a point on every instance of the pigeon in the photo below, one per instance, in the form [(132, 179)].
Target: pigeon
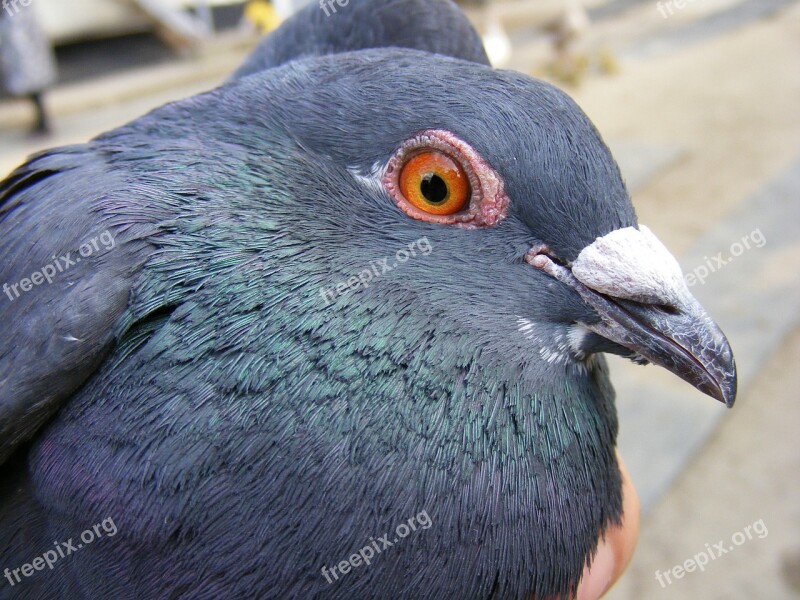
[(334, 329), (333, 27)]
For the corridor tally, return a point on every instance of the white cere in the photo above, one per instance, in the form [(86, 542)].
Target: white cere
[(632, 264)]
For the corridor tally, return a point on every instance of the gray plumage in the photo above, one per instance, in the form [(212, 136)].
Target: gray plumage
[(191, 382)]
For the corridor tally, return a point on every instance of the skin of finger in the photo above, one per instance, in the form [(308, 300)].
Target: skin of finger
[(616, 549)]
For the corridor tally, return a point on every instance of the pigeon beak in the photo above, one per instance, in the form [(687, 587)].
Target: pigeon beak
[(637, 288)]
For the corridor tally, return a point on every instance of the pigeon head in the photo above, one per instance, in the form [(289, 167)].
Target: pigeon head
[(535, 243)]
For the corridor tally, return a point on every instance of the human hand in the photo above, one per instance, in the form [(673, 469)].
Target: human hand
[(616, 550)]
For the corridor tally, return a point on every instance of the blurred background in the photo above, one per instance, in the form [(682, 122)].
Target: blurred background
[(700, 103)]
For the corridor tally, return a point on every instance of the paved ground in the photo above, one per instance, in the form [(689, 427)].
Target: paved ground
[(747, 474), (729, 105), (704, 116)]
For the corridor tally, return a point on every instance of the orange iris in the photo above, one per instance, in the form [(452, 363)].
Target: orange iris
[(435, 183)]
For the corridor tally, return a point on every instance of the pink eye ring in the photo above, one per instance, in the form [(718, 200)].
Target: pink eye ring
[(438, 178)]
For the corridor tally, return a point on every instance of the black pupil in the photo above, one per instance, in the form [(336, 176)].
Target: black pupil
[(433, 188)]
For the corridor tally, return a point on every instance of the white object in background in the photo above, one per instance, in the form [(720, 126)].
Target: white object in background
[(575, 21), (497, 43), (286, 8), (78, 20)]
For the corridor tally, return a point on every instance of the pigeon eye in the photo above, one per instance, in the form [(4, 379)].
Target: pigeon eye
[(437, 177), (435, 183)]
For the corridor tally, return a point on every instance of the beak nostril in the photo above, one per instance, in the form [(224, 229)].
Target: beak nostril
[(667, 308)]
